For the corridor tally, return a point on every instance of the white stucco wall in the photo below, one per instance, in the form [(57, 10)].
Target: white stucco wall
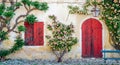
[(59, 9)]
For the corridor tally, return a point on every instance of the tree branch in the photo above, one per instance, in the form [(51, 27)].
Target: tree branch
[(31, 10), (1, 41), (16, 31), (3, 1), (16, 9), (2, 18), (25, 7), (11, 2), (16, 1), (16, 21), (55, 53)]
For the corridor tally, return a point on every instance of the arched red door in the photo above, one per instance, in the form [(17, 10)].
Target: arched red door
[(91, 38)]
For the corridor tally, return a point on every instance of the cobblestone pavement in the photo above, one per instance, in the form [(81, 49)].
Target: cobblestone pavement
[(67, 62)]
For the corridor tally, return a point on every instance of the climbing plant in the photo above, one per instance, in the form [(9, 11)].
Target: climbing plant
[(84, 11), (61, 40), (110, 14), (8, 12)]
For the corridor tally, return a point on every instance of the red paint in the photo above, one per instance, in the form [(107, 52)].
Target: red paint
[(91, 38), (38, 33), (34, 35), (29, 34)]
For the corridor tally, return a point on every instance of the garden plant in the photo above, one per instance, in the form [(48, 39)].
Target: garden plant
[(61, 40)]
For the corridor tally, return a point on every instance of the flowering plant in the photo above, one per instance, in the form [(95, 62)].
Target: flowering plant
[(110, 13), (61, 40)]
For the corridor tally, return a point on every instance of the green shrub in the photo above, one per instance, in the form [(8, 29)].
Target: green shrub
[(61, 39), (21, 28), (30, 19)]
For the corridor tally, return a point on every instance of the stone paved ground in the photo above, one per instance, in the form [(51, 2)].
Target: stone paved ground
[(67, 62)]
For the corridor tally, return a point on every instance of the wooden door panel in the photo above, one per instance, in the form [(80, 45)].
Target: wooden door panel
[(38, 33), (29, 34), (86, 39), (97, 35), (97, 38)]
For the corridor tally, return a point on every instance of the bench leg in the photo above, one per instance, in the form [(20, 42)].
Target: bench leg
[(117, 61), (104, 60)]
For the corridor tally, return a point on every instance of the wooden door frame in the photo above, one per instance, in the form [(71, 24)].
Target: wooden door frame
[(81, 32)]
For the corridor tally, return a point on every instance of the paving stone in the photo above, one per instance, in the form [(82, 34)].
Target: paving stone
[(66, 62)]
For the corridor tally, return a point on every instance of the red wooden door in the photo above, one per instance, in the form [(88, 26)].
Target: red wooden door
[(34, 34), (91, 38)]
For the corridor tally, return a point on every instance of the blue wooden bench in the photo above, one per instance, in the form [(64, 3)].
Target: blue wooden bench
[(110, 51)]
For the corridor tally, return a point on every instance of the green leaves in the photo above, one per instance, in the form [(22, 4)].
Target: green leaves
[(21, 28), (18, 45), (73, 9), (26, 2), (41, 6), (49, 27), (30, 19), (76, 10), (2, 8), (109, 12), (36, 4), (3, 35), (18, 4), (61, 38), (8, 14)]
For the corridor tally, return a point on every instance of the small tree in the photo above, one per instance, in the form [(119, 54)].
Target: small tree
[(8, 12), (61, 40)]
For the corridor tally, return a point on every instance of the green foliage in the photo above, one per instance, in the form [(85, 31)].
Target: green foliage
[(21, 28), (2, 8), (84, 11), (26, 2), (61, 38), (18, 45), (4, 52), (30, 19), (76, 10), (8, 14), (41, 6), (18, 4), (36, 4), (110, 13), (11, 8), (3, 35)]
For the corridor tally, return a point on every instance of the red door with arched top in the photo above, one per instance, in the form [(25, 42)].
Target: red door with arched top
[(91, 38)]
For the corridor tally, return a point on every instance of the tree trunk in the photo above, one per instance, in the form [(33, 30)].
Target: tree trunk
[(59, 59), (2, 58), (61, 55)]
